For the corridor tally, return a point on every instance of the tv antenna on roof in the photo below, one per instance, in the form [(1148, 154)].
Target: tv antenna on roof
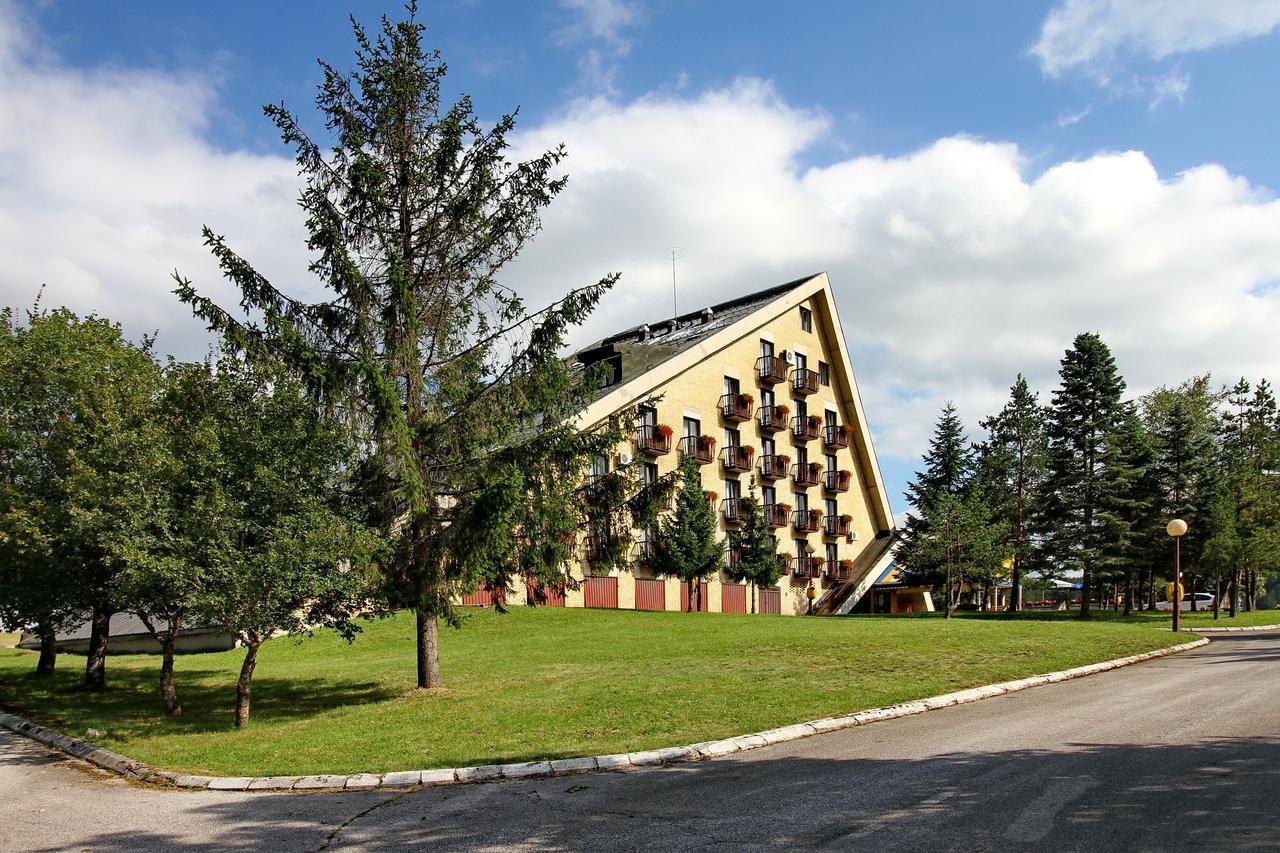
[(673, 253)]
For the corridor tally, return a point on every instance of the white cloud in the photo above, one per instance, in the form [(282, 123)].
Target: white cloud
[(1096, 36), (1066, 119), (599, 28), (956, 266)]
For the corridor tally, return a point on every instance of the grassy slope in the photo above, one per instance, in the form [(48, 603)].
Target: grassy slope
[(546, 682)]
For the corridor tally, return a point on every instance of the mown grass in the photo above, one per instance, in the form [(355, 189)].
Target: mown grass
[(545, 683)]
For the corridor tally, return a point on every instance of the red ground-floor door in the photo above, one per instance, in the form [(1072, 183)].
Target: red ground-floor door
[(600, 592), (545, 596), (483, 597), (769, 601), (733, 598), (651, 594), (703, 604)]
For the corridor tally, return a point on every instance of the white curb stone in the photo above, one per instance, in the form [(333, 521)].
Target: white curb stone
[(573, 765), (477, 774), (272, 783), (643, 759), (305, 783), (362, 781), (525, 769), (719, 747), (401, 778), (612, 762), (229, 783), (441, 776), (193, 781)]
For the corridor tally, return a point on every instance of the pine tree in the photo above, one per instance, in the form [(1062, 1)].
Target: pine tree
[(1129, 508), (455, 388), (948, 471), (1084, 411), (686, 545), (755, 545), (1012, 469)]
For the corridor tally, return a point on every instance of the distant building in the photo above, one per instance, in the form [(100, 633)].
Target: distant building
[(761, 384), (130, 636)]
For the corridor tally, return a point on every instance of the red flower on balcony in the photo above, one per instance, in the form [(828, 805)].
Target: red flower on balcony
[(664, 430)]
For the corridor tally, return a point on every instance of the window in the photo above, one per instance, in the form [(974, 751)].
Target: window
[(830, 418), (692, 427), (802, 361), (769, 495), (824, 373), (732, 490), (802, 502), (831, 462), (830, 510), (648, 416), (649, 474), (806, 320), (766, 348), (802, 456), (802, 409), (768, 447), (611, 372), (732, 438), (731, 386), (599, 467), (766, 397), (833, 556)]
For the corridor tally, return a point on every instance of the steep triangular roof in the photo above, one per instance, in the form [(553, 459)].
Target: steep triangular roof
[(664, 350)]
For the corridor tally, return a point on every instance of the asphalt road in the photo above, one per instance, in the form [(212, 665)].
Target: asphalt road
[(1178, 753)]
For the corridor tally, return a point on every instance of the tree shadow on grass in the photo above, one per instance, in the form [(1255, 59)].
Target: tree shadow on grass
[(1208, 795), (130, 707)]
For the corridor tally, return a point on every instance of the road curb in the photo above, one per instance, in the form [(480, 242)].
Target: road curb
[(129, 768), (1233, 629)]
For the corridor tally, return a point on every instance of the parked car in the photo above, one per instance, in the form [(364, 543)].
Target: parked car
[(1204, 601)]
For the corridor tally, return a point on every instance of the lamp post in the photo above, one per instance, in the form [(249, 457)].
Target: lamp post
[(812, 592), (1177, 529)]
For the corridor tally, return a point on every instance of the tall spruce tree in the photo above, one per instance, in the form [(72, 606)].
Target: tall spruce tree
[(1084, 411), (455, 387), (686, 545), (948, 472), (1129, 507), (755, 545), (1012, 464)]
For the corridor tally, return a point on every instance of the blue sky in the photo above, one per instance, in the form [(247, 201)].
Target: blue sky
[(981, 180)]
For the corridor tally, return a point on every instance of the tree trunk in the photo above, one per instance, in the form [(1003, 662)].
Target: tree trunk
[(428, 651), (1128, 591), (95, 667), (689, 601), (753, 598), (48, 650), (168, 692), (1015, 590), (252, 644), (1233, 585), (1086, 590)]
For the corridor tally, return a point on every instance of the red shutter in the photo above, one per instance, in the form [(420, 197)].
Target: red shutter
[(651, 594), (600, 592)]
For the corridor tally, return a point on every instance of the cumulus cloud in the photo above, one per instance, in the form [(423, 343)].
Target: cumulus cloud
[(599, 28), (1096, 36), (107, 178), (955, 266)]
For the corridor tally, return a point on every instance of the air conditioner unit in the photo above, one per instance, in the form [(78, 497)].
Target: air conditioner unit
[(624, 457), (853, 536), (788, 357)]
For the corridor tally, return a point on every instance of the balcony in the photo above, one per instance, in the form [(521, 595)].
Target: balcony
[(786, 563), (837, 481), (804, 382), (806, 520), (776, 514), (837, 525), (773, 467), (771, 369), (805, 428), (736, 408), (654, 440), (807, 567), (773, 418), (836, 436), (735, 557), (731, 509), (843, 570), (806, 475), (738, 459), (700, 448), (647, 548), (598, 545)]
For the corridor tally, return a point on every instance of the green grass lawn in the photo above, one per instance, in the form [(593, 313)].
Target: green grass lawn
[(545, 683)]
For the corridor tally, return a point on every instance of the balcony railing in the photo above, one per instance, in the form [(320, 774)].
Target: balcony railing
[(835, 435), (837, 525), (771, 369), (803, 474), (786, 564), (654, 440), (598, 543), (731, 508), (773, 418), (837, 481), (804, 382), (806, 520), (736, 407), (843, 570), (805, 428), (737, 458), (773, 467), (734, 557), (700, 448), (647, 548), (807, 567), (776, 514)]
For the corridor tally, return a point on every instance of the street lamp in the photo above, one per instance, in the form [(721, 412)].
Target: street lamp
[(812, 592), (1177, 529)]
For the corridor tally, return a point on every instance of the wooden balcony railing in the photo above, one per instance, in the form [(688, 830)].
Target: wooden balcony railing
[(836, 435), (654, 440), (731, 509), (843, 570), (806, 520), (807, 567), (804, 382), (806, 475), (773, 418), (776, 514), (837, 525), (736, 408), (737, 458), (771, 369), (700, 448), (773, 467), (598, 543), (805, 428), (837, 481)]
